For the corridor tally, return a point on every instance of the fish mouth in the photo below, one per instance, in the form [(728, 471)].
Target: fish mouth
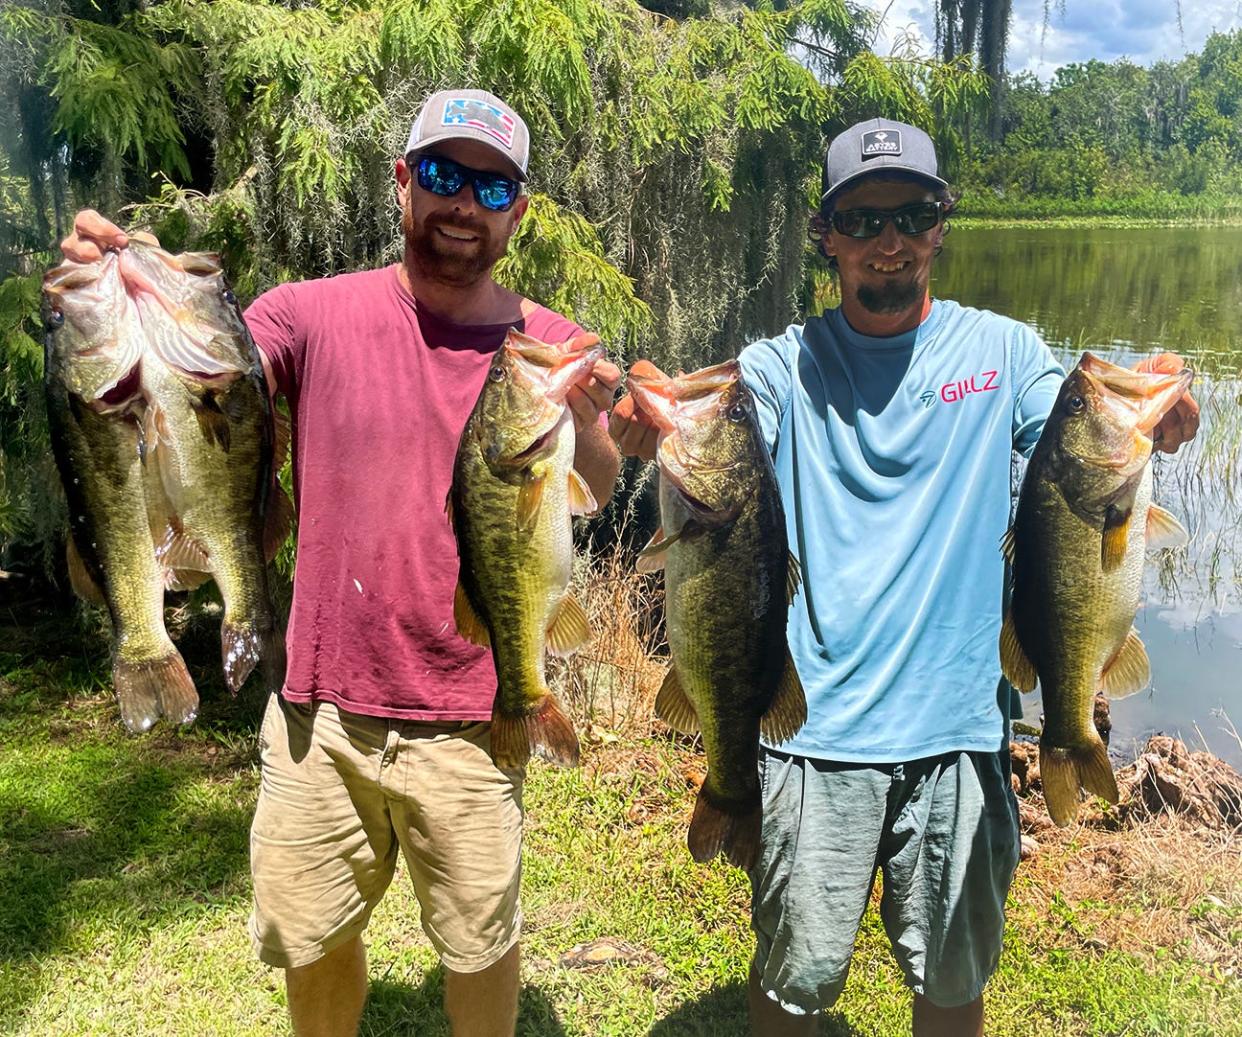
[(1138, 398), (555, 368), (660, 398)]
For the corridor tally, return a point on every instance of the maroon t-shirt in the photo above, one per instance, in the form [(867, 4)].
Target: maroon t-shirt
[(379, 390)]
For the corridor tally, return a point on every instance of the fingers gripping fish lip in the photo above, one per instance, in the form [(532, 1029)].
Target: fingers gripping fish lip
[(1136, 397)]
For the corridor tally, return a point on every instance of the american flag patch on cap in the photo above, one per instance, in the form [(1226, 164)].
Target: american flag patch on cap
[(479, 115)]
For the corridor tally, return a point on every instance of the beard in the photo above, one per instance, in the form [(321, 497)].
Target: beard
[(891, 296), (460, 264)]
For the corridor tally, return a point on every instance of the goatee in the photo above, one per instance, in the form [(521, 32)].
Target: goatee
[(891, 297)]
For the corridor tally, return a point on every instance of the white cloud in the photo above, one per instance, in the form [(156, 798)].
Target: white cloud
[(1145, 31)]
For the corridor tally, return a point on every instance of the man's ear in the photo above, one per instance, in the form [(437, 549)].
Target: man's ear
[(402, 175), (519, 209)]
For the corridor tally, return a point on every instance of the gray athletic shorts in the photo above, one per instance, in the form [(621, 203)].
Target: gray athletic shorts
[(944, 831)]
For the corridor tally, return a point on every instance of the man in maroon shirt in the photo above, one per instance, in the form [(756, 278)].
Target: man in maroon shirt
[(378, 742)]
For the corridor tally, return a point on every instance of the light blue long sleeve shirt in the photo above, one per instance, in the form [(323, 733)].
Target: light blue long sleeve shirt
[(893, 457)]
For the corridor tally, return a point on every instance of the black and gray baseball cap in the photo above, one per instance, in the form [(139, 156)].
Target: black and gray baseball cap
[(472, 115), (874, 145)]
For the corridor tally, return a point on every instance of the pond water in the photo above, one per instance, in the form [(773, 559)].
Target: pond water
[(1124, 293)]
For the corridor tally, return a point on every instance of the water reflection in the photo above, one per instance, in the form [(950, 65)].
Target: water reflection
[(1121, 294)]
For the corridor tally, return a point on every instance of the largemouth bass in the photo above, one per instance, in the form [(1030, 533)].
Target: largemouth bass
[(1084, 520), (729, 578), (147, 353), (511, 503)]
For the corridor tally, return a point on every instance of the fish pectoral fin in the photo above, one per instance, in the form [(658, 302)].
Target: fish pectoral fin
[(569, 629), (1163, 530), (84, 586), (1007, 545), (581, 500), (787, 714), (1017, 668), (212, 421), (1129, 671), (277, 522), (469, 625), (184, 579), (651, 558), (793, 577), (1116, 537), (530, 498), (674, 708)]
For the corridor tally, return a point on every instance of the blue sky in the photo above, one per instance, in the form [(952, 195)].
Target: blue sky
[(1145, 31)]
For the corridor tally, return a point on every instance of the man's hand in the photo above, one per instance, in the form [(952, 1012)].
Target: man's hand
[(1181, 423), (587, 400), (630, 426), (93, 235)]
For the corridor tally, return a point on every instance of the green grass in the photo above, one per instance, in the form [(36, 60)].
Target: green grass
[(123, 865)]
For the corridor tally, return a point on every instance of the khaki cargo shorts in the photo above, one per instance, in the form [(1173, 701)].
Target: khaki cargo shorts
[(341, 793)]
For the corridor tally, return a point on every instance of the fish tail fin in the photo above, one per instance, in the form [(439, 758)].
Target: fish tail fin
[(1063, 770), (154, 688), (241, 648), (545, 732), (716, 829)]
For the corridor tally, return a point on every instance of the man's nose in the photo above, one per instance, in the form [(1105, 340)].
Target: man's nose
[(890, 238)]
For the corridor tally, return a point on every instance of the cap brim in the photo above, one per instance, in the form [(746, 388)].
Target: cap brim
[(515, 170), (922, 174)]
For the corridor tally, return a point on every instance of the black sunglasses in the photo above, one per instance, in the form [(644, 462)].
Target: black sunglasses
[(869, 223), (445, 177)]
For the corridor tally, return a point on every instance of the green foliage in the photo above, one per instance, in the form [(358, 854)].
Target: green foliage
[(1119, 134), (672, 165)]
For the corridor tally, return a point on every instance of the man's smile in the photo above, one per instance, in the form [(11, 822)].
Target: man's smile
[(891, 267), (456, 233)]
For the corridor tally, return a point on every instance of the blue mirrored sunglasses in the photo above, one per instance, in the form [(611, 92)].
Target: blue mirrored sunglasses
[(445, 177)]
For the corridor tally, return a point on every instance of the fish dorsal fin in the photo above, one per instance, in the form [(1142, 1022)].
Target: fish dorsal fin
[(787, 714), (1116, 537), (569, 629), (469, 625), (277, 522), (1007, 545), (1017, 668), (581, 500), (1129, 671), (79, 579), (673, 707), (1163, 530), (652, 557), (530, 498), (793, 577)]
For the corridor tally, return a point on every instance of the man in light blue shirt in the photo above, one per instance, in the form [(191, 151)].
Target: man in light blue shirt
[(892, 420)]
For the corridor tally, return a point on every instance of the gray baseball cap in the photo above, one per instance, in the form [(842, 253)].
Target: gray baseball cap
[(878, 144), (472, 115)]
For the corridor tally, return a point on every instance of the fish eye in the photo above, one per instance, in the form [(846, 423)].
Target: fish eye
[(229, 297), (496, 374), (737, 412), (55, 319), (1076, 404)]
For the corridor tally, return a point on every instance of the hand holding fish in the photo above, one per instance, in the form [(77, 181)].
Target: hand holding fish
[(632, 428), (94, 234), (1181, 424), (590, 398)]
